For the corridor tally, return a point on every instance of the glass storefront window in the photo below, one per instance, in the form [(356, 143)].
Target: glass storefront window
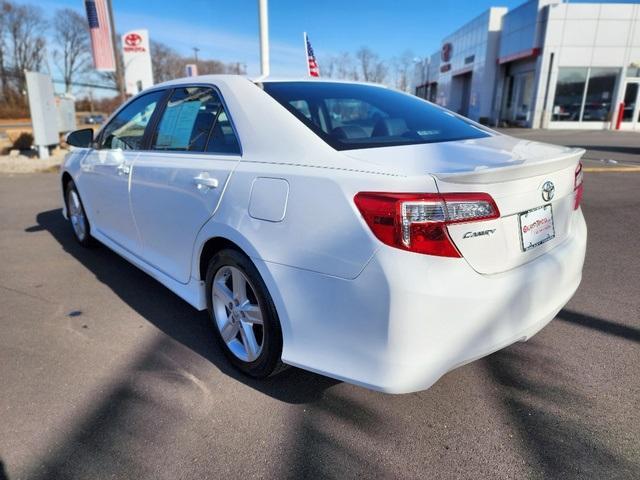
[(597, 105), (630, 96), (569, 93), (600, 83)]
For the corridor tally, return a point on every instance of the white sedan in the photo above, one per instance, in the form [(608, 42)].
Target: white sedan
[(344, 228)]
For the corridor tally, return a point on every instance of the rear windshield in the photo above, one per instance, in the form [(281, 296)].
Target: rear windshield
[(349, 116)]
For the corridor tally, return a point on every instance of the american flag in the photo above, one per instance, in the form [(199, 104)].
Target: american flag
[(101, 39), (312, 64)]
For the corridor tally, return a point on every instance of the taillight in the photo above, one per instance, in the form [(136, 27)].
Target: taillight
[(578, 187), (418, 221)]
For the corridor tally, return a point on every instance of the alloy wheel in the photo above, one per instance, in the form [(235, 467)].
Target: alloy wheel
[(76, 215), (237, 313)]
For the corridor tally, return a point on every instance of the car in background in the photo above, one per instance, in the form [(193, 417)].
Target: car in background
[(345, 228), (97, 119)]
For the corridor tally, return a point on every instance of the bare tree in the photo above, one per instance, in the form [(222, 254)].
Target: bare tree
[(72, 38), (236, 68), (366, 58), (208, 67), (26, 27), (371, 67), (345, 67), (379, 72), (402, 67), (329, 66), (4, 67), (166, 63)]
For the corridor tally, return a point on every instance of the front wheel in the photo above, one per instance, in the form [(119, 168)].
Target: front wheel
[(245, 319), (77, 216)]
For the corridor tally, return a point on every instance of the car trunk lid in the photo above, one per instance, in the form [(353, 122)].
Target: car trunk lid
[(513, 172)]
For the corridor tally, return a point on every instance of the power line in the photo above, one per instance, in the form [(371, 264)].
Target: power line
[(15, 74), (88, 85)]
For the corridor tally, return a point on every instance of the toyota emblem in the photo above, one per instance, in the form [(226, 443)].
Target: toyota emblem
[(133, 39), (548, 190)]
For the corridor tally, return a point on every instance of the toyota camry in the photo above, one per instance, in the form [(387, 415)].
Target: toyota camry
[(344, 228)]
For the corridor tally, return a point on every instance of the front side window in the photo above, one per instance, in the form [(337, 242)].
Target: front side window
[(350, 116), (127, 128), (194, 120)]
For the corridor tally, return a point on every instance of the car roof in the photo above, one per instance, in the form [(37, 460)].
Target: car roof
[(231, 79)]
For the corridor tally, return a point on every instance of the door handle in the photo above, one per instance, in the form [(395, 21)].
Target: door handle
[(205, 182), (123, 169)]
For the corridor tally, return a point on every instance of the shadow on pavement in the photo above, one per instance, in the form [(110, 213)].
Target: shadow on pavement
[(317, 450), (158, 395), (549, 416), (3, 472), (173, 316), (154, 404), (605, 326)]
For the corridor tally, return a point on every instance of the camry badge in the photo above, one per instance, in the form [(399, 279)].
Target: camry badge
[(481, 233), (548, 190)]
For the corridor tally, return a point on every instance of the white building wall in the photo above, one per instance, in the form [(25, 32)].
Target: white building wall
[(539, 36), (586, 35), (474, 49), (523, 28), (434, 67), (521, 43)]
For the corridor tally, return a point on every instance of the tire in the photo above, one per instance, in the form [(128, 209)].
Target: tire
[(77, 216), (232, 309)]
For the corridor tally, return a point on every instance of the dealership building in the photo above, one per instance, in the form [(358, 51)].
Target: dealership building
[(544, 64)]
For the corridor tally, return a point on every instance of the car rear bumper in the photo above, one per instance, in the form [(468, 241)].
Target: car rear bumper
[(407, 319)]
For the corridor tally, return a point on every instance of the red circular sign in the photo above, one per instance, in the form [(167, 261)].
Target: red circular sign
[(133, 40), (447, 50)]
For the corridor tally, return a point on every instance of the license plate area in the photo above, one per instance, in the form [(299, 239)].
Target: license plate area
[(536, 227)]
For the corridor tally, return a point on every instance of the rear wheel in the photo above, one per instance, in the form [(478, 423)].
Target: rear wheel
[(244, 317), (77, 216)]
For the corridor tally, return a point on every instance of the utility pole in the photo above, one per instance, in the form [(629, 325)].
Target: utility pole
[(118, 58), (264, 38), (195, 55)]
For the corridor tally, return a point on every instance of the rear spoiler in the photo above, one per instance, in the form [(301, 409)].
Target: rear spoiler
[(530, 167)]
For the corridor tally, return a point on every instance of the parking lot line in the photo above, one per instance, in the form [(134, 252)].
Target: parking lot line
[(612, 169)]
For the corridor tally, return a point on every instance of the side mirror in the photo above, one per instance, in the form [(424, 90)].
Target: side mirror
[(81, 138)]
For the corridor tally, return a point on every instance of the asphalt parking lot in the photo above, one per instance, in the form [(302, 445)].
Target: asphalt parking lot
[(603, 147), (104, 373)]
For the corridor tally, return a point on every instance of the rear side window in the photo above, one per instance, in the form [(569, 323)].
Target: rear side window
[(194, 120), (126, 130), (350, 116), (223, 139)]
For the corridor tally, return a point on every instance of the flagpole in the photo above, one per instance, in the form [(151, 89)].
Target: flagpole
[(306, 53), (119, 66), (264, 38)]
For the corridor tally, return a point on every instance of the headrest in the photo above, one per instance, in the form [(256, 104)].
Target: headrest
[(390, 127), (347, 132)]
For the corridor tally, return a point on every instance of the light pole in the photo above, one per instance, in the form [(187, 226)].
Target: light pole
[(264, 38), (118, 57), (195, 55)]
